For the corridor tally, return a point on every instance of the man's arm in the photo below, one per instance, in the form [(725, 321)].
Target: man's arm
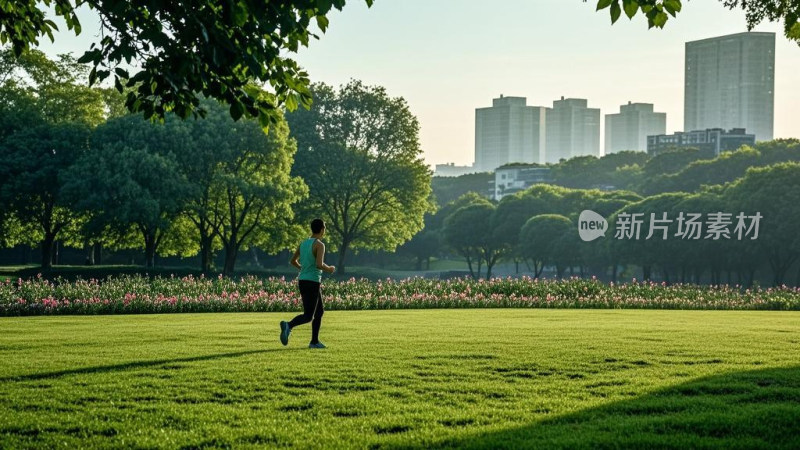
[(319, 251), (295, 258)]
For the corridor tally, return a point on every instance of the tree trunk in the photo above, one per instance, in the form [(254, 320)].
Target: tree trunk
[(469, 264), (231, 252), (150, 250), (47, 250), (340, 265), (780, 266), (98, 253), (89, 249), (205, 253), (256, 262), (614, 272)]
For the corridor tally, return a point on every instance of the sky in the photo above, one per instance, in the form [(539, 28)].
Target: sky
[(448, 57)]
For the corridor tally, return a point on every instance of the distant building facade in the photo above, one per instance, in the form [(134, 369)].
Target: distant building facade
[(514, 178), (730, 83), (509, 131), (628, 130), (573, 129), (713, 139), (452, 170)]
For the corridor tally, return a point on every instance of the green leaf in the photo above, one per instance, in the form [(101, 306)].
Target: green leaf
[(603, 4), (291, 102), (793, 32), (672, 6), (264, 120), (660, 19), (322, 23), (630, 6), (236, 109), (91, 56), (616, 11)]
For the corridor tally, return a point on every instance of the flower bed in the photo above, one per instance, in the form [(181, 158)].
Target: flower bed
[(140, 295)]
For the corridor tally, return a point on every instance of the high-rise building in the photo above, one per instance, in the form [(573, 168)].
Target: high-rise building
[(730, 83), (573, 129), (507, 132), (628, 130)]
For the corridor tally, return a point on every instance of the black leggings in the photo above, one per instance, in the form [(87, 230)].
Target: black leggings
[(312, 308)]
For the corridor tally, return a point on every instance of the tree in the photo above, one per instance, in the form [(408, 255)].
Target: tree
[(465, 227), (586, 172), (448, 189), (34, 158), (656, 12), (423, 246), (771, 191), (673, 161), (550, 239), (358, 151), (129, 177), (253, 190), (726, 167), (240, 185), (187, 49), (45, 119), (511, 214)]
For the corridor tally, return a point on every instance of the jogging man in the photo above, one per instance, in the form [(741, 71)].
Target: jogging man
[(309, 258)]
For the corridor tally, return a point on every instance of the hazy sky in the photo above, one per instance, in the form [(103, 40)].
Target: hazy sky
[(448, 57)]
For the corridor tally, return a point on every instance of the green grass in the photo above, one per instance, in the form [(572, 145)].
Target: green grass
[(419, 378)]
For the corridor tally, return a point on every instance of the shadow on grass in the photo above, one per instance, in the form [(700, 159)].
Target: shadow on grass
[(752, 409), (137, 365)]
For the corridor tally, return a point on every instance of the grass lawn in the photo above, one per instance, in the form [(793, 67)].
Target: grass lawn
[(418, 378)]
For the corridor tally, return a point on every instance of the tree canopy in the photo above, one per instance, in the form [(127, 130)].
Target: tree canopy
[(187, 49), (358, 151)]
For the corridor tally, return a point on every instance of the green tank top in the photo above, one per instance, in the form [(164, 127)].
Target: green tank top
[(308, 263)]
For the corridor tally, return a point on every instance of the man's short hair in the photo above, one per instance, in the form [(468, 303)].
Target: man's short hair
[(317, 225)]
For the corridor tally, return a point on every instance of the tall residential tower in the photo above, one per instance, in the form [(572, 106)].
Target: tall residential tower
[(730, 83), (573, 129), (629, 129), (508, 132)]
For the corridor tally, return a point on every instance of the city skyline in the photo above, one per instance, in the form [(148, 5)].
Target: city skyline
[(447, 58)]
